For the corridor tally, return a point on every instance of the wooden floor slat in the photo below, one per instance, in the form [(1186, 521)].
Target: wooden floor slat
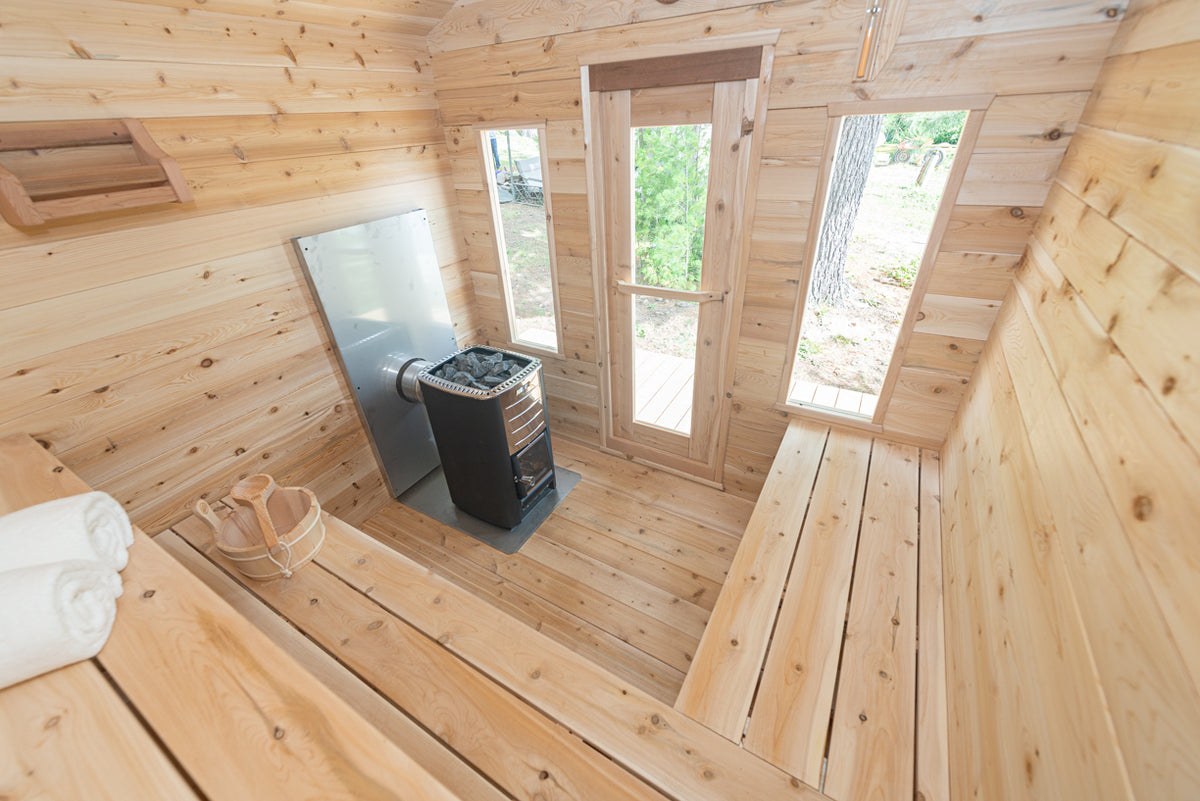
[(790, 720), (630, 590), (664, 389), (418, 538), (689, 545), (871, 744), (646, 633), (656, 489), (625, 571), (626, 556)]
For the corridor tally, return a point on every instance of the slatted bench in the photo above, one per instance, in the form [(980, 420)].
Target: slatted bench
[(810, 658), (187, 699), (534, 717)]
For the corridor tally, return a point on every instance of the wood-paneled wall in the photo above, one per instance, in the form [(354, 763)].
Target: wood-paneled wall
[(164, 352), (1070, 476), (512, 61)]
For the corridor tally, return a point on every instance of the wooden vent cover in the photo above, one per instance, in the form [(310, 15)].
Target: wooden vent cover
[(63, 169)]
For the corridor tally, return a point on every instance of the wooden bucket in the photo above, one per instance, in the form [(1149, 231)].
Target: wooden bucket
[(272, 532)]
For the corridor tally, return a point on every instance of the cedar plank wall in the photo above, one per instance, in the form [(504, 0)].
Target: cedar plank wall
[(163, 352), (1070, 476), (504, 62)]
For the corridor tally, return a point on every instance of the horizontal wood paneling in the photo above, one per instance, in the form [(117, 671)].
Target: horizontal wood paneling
[(73, 88), (1069, 475), (166, 352), (510, 62), (414, 17), (131, 31), (216, 141)]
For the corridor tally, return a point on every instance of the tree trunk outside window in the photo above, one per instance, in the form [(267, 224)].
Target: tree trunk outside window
[(852, 165)]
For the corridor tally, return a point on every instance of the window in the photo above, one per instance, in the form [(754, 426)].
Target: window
[(888, 176), (516, 163)]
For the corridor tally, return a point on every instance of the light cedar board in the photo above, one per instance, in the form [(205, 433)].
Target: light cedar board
[(203, 723), (790, 721), (648, 738), (1140, 676), (1147, 304), (720, 684), (1143, 461), (871, 746), (74, 710), (399, 728), (440, 691)]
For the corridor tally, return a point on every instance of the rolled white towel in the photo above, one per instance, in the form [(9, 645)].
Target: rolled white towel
[(53, 615), (88, 526)]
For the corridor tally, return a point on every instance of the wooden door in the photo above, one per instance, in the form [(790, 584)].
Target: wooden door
[(693, 444)]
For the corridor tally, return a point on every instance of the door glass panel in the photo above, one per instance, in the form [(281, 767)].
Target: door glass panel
[(889, 174), (664, 361), (670, 193)]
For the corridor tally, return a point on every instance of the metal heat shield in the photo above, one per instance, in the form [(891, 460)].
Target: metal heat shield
[(380, 292)]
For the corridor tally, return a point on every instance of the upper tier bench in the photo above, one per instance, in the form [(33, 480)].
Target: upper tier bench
[(810, 657), (186, 700)]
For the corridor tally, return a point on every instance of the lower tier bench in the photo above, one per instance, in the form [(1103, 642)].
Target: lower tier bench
[(824, 652), (533, 717)]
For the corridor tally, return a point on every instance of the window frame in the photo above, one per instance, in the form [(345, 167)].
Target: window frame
[(976, 108), (499, 247)]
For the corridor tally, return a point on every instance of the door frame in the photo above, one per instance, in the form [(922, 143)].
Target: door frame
[(743, 108)]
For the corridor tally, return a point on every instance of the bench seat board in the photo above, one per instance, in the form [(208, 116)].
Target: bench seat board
[(790, 720), (525, 753), (75, 711), (719, 686), (871, 748), (239, 716), (447, 766)]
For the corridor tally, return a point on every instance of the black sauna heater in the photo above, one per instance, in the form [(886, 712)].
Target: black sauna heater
[(487, 409)]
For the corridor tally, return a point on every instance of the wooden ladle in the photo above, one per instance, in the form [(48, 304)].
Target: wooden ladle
[(206, 513), (254, 491)]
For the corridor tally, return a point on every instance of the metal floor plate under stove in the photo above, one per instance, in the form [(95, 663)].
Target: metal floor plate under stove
[(431, 497)]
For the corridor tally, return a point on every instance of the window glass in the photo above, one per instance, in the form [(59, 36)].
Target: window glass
[(664, 348), (515, 160), (670, 192), (888, 177)]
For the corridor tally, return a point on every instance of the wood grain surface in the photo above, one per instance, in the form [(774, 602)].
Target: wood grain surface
[(233, 710)]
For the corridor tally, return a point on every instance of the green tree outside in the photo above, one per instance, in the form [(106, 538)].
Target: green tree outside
[(670, 195), (942, 127)]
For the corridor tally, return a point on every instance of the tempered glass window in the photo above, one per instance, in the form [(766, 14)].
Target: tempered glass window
[(669, 196), (888, 177), (524, 245)]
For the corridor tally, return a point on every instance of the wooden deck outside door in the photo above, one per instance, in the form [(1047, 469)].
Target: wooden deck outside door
[(619, 103)]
